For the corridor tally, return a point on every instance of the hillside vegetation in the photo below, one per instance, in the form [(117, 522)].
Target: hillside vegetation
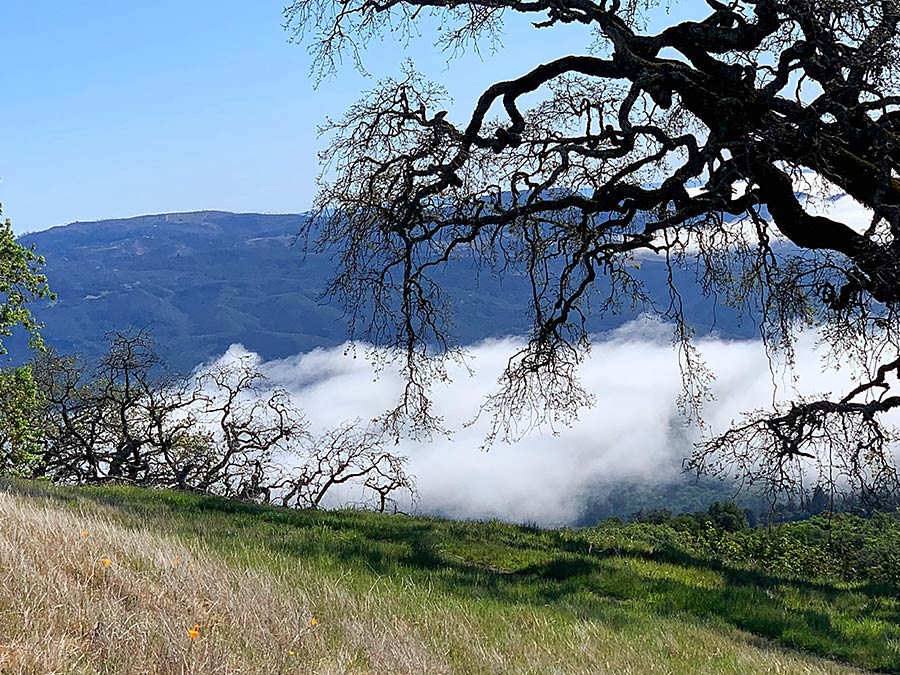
[(167, 271), (121, 580)]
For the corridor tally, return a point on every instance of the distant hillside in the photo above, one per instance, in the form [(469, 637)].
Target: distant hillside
[(202, 281)]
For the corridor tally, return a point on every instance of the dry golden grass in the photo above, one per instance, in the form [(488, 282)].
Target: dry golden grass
[(64, 610), (82, 592)]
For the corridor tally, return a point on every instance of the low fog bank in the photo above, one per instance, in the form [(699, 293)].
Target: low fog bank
[(635, 431)]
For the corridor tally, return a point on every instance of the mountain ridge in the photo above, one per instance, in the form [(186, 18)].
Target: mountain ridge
[(200, 281)]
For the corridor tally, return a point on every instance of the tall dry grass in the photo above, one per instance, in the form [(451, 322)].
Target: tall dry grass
[(81, 592)]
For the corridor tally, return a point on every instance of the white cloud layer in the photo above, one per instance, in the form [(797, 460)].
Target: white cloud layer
[(635, 430)]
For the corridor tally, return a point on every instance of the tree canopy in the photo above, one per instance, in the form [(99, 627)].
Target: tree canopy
[(21, 282), (688, 144)]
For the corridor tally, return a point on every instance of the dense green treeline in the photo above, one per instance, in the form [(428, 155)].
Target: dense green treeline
[(803, 538), (660, 500), (837, 546)]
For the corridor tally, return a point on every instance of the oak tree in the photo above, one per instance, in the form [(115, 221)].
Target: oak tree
[(224, 430), (22, 282), (685, 143)]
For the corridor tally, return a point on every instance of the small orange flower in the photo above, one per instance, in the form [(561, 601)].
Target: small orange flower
[(313, 622), (106, 562), (194, 632), (84, 534)]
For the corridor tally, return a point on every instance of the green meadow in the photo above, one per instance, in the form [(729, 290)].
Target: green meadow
[(125, 580)]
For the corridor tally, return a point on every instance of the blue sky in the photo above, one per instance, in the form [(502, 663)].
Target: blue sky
[(111, 109)]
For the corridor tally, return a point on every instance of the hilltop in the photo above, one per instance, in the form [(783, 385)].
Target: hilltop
[(126, 581)]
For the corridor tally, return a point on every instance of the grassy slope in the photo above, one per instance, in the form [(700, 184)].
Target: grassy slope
[(389, 595)]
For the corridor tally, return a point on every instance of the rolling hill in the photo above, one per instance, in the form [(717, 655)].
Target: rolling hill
[(202, 281), (127, 581)]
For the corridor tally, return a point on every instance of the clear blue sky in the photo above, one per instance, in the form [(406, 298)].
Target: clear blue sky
[(111, 108)]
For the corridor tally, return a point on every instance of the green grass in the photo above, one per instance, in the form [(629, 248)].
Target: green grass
[(512, 585)]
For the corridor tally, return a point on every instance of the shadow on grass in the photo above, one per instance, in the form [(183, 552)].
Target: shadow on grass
[(521, 565)]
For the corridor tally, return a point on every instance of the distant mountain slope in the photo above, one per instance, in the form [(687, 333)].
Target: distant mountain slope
[(202, 281), (198, 281)]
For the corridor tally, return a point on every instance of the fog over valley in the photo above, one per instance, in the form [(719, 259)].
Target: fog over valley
[(450, 337), (634, 432), (165, 274)]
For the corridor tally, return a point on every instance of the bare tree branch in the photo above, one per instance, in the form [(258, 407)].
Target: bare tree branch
[(653, 144)]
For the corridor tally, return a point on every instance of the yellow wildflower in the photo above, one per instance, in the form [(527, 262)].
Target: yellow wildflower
[(195, 631), (106, 562), (84, 534), (313, 622)]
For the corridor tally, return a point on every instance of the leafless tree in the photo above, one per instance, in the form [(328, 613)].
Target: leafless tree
[(248, 426), (645, 144), (351, 453), (125, 420), (223, 430), (70, 426)]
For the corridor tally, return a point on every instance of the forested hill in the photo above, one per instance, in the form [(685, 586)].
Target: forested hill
[(202, 281)]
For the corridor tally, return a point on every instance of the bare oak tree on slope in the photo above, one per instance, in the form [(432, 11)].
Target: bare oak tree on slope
[(644, 143), (223, 430)]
